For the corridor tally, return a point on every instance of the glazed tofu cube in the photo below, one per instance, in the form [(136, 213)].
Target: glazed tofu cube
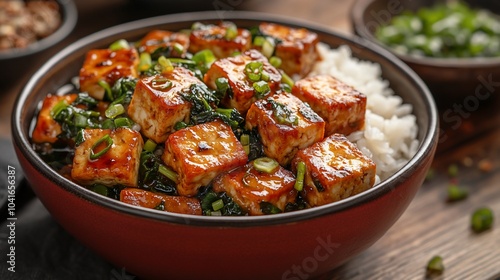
[(285, 125), (223, 39), (108, 66), (250, 188), (200, 153), (47, 129), (335, 169), (340, 105), (157, 104), (295, 46), (243, 93), (165, 40), (119, 165), (147, 199)]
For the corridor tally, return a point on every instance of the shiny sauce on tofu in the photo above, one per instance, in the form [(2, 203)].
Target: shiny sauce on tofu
[(208, 122)]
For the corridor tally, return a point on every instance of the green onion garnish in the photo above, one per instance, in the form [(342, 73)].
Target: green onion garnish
[(218, 204), (435, 265), (456, 193), (80, 120), (301, 171), (108, 124), (231, 32), (180, 125), (100, 189), (482, 219), (58, 108), (181, 61), (259, 41), (169, 173), (107, 89), (97, 151), (145, 61), (150, 145), (261, 88), (114, 111), (119, 45), (123, 122), (222, 85), (275, 61), (166, 65), (178, 48), (265, 164), (245, 139), (453, 170), (268, 48), (204, 59), (286, 79), (253, 70)]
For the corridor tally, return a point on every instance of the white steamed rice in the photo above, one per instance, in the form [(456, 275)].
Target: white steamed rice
[(389, 136)]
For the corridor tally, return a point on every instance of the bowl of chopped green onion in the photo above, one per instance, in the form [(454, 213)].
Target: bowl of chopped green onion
[(454, 46)]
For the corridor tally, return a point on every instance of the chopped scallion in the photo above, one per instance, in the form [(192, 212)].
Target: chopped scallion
[(435, 265), (301, 171), (80, 120), (58, 108), (119, 45), (97, 151), (150, 145), (287, 79), (169, 173), (259, 41), (218, 204), (265, 164), (456, 193), (145, 61), (178, 48), (261, 88), (108, 124), (231, 32), (482, 219), (245, 139), (123, 122), (275, 61), (166, 65), (114, 111), (107, 89), (268, 47), (100, 189)]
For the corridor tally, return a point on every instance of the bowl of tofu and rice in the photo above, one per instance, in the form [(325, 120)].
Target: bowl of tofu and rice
[(182, 162)]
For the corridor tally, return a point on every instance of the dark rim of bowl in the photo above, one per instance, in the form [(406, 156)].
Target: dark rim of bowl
[(358, 10), (69, 15), (21, 139)]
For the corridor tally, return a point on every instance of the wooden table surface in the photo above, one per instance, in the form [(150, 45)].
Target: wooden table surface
[(430, 226)]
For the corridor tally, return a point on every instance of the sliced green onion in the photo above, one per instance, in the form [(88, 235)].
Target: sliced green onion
[(265, 164), (245, 139), (178, 48), (246, 149), (435, 265), (275, 61), (114, 111), (123, 122), (165, 64), (180, 125), (161, 83), (453, 170), (218, 204), (268, 47), (80, 120), (482, 219), (222, 85), (286, 79), (261, 88), (215, 213), (108, 124), (58, 108), (150, 145), (181, 61), (107, 89), (253, 70), (100, 189), (456, 193), (79, 138), (265, 76), (95, 153), (231, 32), (204, 59), (169, 173), (259, 41), (119, 45), (301, 171), (145, 61)]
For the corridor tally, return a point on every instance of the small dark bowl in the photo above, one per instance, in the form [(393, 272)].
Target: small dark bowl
[(450, 80), (160, 245), (14, 62)]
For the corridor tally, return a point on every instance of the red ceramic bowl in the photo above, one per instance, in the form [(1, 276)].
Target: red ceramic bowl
[(160, 245)]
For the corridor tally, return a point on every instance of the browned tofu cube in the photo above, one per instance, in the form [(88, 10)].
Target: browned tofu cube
[(166, 40), (47, 129), (217, 39), (157, 104), (341, 106), (243, 93), (250, 188), (200, 153), (296, 47), (108, 66), (118, 165), (335, 169), (285, 125), (147, 199)]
